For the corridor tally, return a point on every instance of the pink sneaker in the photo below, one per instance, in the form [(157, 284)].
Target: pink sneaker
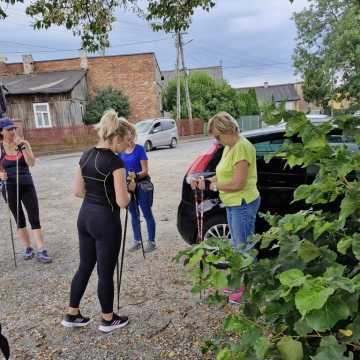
[(235, 298)]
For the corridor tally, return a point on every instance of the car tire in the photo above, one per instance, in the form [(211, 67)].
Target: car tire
[(148, 146), (216, 226), (173, 143)]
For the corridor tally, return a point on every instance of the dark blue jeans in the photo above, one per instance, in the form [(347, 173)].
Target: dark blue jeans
[(241, 220), (144, 201)]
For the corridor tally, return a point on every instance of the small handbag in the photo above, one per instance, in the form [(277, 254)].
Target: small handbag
[(146, 184)]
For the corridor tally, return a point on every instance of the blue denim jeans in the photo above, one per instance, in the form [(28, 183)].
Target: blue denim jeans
[(241, 220), (144, 200)]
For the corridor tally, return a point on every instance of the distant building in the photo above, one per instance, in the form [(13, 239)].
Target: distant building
[(54, 93), (49, 99), (216, 72), (290, 94)]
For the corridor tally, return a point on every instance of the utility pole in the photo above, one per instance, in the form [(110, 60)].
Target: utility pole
[(187, 94), (178, 93)]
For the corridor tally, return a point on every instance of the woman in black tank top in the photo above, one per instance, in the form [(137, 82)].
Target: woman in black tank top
[(18, 188), (100, 180)]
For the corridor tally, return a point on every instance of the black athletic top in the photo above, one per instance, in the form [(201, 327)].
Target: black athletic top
[(97, 167), (8, 164)]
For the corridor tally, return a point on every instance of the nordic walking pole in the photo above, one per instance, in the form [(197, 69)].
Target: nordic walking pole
[(10, 222), (17, 190), (119, 272)]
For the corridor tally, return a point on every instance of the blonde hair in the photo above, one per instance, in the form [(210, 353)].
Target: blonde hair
[(111, 126), (223, 123)]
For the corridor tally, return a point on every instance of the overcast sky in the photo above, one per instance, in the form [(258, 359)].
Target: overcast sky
[(252, 39)]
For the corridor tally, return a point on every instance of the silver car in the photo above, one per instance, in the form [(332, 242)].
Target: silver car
[(157, 132)]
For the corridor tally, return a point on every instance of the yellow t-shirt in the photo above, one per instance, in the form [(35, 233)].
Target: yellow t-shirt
[(242, 150)]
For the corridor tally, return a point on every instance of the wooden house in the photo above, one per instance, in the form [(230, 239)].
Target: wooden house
[(53, 99)]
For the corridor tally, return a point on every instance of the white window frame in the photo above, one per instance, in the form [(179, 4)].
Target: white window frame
[(42, 112)]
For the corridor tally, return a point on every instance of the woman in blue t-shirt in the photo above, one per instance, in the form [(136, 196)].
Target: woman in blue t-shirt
[(136, 165)]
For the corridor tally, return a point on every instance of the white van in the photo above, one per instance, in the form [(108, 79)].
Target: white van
[(157, 132)]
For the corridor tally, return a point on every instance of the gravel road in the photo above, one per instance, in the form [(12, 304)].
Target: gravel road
[(166, 320)]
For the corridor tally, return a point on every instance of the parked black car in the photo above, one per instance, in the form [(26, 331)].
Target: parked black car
[(276, 183)]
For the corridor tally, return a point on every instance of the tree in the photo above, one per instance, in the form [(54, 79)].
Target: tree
[(302, 301), (328, 50), (209, 96), (92, 20), (104, 100)]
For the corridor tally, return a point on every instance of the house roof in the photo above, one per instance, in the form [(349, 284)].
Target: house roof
[(282, 92), (55, 82)]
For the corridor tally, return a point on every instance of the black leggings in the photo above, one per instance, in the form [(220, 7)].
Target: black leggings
[(100, 238), (28, 197)]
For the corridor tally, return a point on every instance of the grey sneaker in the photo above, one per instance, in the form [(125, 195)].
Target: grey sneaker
[(135, 247), (150, 247), (42, 256), (73, 321), (28, 253)]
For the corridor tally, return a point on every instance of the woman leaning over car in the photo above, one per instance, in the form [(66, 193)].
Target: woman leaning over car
[(236, 179)]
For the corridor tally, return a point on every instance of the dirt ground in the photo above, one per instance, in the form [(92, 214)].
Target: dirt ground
[(166, 320)]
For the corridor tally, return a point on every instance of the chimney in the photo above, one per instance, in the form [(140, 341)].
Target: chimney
[(83, 60), (28, 64), (3, 66), (266, 84)]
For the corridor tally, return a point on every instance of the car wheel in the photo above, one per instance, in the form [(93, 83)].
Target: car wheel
[(216, 227), (148, 146), (173, 143)]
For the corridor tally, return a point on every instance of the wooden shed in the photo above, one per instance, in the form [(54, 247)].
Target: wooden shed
[(47, 99)]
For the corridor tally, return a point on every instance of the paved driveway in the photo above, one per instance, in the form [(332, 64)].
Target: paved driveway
[(166, 321)]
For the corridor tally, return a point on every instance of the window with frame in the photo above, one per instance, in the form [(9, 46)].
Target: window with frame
[(42, 115)]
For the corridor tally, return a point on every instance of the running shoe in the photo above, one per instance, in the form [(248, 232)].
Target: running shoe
[(28, 253), (42, 256), (74, 321), (117, 322)]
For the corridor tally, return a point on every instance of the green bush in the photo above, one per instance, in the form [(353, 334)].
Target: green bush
[(208, 97), (106, 99), (303, 301)]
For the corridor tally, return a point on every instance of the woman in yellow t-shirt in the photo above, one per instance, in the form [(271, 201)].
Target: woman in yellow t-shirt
[(236, 179)]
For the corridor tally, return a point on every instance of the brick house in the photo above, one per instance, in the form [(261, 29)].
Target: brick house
[(137, 75)]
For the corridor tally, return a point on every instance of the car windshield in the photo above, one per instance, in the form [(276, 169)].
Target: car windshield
[(143, 127)]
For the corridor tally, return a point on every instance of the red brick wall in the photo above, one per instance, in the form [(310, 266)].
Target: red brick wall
[(134, 75), (184, 127), (82, 134)]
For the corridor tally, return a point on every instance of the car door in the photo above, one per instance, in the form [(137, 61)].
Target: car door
[(165, 132), (156, 134), (276, 180)]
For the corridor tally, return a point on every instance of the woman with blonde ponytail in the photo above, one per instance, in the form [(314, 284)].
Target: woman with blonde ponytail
[(101, 181)]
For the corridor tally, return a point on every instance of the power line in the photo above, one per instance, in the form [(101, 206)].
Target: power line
[(78, 49)]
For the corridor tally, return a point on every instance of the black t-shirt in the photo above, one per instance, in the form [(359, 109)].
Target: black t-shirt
[(8, 164), (97, 167)]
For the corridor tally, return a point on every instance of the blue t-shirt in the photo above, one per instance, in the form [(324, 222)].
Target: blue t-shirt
[(132, 161)]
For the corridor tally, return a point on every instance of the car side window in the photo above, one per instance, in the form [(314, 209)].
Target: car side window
[(157, 127), (338, 139), (269, 146)]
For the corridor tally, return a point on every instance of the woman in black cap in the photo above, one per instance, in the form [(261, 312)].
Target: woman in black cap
[(16, 157)]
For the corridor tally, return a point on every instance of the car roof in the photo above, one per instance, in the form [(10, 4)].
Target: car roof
[(279, 128), (154, 119)]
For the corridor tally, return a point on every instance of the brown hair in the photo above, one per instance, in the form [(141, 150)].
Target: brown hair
[(224, 123)]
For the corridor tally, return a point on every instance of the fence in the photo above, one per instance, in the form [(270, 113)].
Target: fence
[(249, 122)]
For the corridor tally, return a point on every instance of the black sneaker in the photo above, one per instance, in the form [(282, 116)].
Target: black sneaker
[(74, 321), (117, 322)]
